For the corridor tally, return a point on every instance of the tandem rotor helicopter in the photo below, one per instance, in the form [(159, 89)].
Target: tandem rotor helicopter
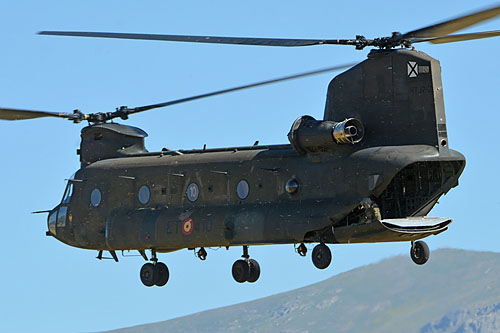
[(370, 171)]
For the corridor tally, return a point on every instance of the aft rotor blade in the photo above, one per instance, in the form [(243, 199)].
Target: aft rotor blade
[(450, 26), (461, 37), (203, 39), (252, 85), (18, 114)]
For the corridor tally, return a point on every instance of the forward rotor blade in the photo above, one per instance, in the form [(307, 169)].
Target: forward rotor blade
[(18, 114), (219, 92), (463, 37), (447, 27), (192, 39)]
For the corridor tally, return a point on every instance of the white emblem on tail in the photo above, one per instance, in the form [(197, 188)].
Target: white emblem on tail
[(412, 69)]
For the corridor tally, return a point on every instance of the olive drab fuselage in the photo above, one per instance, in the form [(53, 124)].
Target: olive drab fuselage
[(313, 190)]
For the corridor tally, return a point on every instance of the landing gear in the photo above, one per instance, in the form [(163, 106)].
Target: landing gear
[(246, 270), (321, 256), (241, 271), (148, 274), (155, 273), (419, 252), (161, 274), (201, 254), (254, 273), (302, 250)]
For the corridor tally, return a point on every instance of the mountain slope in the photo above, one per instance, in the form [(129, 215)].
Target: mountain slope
[(485, 319), (392, 295)]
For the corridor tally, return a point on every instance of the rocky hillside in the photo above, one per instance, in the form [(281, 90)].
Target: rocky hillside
[(485, 319)]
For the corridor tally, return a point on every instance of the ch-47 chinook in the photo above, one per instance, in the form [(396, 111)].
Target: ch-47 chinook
[(370, 171)]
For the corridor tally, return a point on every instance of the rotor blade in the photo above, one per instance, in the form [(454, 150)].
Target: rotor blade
[(192, 39), (18, 114), (447, 27), (219, 92), (203, 39), (461, 37)]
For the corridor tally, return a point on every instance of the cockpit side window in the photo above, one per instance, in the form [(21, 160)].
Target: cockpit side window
[(68, 192)]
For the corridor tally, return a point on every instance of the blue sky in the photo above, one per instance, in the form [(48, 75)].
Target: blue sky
[(48, 286)]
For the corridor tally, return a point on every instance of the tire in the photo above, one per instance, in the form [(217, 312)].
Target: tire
[(420, 253), (162, 274), (240, 271), (148, 275), (321, 256), (254, 273)]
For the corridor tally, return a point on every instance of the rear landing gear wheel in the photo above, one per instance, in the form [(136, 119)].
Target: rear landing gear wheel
[(161, 274), (241, 271), (148, 274), (419, 252), (254, 272), (321, 256)]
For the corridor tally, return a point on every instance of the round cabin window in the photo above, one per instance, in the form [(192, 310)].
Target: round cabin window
[(193, 192), (292, 186), (243, 189), (144, 194), (95, 197)]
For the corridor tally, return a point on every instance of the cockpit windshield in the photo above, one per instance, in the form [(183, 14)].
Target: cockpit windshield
[(58, 216)]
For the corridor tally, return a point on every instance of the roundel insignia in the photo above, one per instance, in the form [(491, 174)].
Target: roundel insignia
[(187, 226)]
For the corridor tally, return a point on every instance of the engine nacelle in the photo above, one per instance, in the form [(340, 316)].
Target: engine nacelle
[(310, 135)]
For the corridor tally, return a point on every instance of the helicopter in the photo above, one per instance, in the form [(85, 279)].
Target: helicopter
[(370, 171)]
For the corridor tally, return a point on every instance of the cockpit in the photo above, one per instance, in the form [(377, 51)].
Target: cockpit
[(58, 216)]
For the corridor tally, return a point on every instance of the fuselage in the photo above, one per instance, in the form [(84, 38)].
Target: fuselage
[(235, 196)]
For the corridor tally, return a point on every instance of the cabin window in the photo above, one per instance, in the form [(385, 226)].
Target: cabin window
[(243, 189), (144, 194), (95, 197), (292, 186), (192, 192)]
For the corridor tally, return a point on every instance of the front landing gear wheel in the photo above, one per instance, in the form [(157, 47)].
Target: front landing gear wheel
[(321, 256), (154, 274), (241, 271), (161, 274), (148, 274), (419, 252), (254, 272)]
